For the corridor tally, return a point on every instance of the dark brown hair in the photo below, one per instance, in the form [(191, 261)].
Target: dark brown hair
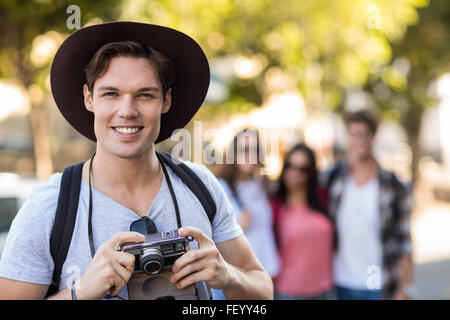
[(363, 116), (99, 63)]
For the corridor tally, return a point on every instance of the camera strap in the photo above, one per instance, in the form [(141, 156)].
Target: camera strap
[(169, 184), (172, 192)]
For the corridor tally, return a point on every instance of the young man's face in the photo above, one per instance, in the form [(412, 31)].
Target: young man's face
[(127, 102), (360, 140)]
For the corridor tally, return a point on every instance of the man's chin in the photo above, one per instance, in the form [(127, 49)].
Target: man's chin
[(127, 150), (130, 154), (364, 156)]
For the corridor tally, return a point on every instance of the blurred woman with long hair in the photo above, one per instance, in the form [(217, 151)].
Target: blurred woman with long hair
[(303, 231), (245, 188)]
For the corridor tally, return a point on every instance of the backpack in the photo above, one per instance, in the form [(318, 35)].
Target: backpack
[(66, 212)]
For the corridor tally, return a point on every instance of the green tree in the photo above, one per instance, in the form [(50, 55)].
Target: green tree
[(419, 58), (30, 30)]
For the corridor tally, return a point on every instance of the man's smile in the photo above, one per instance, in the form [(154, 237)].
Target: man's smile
[(128, 130)]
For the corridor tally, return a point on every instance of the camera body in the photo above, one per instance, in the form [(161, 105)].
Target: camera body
[(158, 251)]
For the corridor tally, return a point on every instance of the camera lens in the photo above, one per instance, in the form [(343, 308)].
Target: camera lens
[(152, 261)]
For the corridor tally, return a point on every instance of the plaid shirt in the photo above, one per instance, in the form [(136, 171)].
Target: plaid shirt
[(396, 202)]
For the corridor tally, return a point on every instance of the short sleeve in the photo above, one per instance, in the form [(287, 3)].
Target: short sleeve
[(225, 226), (26, 256)]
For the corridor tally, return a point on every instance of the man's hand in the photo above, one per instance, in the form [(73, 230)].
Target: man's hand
[(406, 270), (400, 295), (109, 269), (202, 264)]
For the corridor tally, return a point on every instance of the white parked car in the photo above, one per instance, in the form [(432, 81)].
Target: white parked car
[(13, 192)]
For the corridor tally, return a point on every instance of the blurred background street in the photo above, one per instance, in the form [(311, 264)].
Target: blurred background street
[(431, 250)]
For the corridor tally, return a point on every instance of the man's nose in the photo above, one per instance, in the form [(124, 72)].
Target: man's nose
[(128, 107)]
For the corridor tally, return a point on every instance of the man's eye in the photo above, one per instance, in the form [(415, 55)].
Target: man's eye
[(145, 95), (110, 94)]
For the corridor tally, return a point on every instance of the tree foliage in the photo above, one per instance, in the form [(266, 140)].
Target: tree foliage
[(31, 32), (320, 47), (403, 89)]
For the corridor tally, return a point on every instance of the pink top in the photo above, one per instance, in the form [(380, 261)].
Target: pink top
[(306, 249)]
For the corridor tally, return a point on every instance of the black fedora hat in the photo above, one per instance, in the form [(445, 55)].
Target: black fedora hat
[(191, 71)]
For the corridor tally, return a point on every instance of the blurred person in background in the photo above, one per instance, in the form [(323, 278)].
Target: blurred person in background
[(371, 209), (246, 190), (304, 233)]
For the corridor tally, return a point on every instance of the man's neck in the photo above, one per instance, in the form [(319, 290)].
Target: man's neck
[(362, 163), (125, 173), (363, 169)]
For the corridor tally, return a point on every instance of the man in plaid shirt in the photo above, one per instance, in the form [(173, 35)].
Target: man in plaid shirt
[(371, 210)]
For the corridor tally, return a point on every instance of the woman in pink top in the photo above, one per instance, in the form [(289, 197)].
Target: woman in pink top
[(304, 232)]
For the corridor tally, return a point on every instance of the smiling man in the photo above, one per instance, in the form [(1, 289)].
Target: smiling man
[(127, 86)]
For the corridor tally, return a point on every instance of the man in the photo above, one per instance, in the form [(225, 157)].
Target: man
[(140, 83), (371, 209)]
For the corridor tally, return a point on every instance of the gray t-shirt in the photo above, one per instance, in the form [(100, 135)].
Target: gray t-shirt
[(27, 257)]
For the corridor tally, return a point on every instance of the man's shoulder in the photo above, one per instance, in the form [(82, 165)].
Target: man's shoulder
[(43, 198), (327, 176), (207, 177), (48, 188), (35, 217), (389, 178), (201, 171)]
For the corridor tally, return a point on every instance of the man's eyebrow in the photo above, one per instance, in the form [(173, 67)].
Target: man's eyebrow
[(145, 89), (107, 88), (148, 89)]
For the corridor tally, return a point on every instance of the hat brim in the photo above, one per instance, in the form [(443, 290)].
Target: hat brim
[(189, 88)]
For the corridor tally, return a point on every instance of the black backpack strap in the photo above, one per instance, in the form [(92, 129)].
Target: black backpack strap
[(66, 214), (193, 182)]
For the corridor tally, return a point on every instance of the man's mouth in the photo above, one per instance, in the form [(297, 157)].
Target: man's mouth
[(128, 130)]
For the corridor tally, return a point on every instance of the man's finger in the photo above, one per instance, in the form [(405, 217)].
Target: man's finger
[(203, 275), (196, 233), (188, 257), (187, 270), (124, 273), (125, 259), (119, 283), (124, 237)]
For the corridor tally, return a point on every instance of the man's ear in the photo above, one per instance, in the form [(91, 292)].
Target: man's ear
[(167, 101), (88, 98)]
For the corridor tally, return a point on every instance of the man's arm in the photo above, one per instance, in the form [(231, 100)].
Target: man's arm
[(230, 266), (109, 270), (405, 263), (249, 280), (406, 270), (20, 290)]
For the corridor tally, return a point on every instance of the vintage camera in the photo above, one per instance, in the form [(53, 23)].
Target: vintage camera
[(158, 251)]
